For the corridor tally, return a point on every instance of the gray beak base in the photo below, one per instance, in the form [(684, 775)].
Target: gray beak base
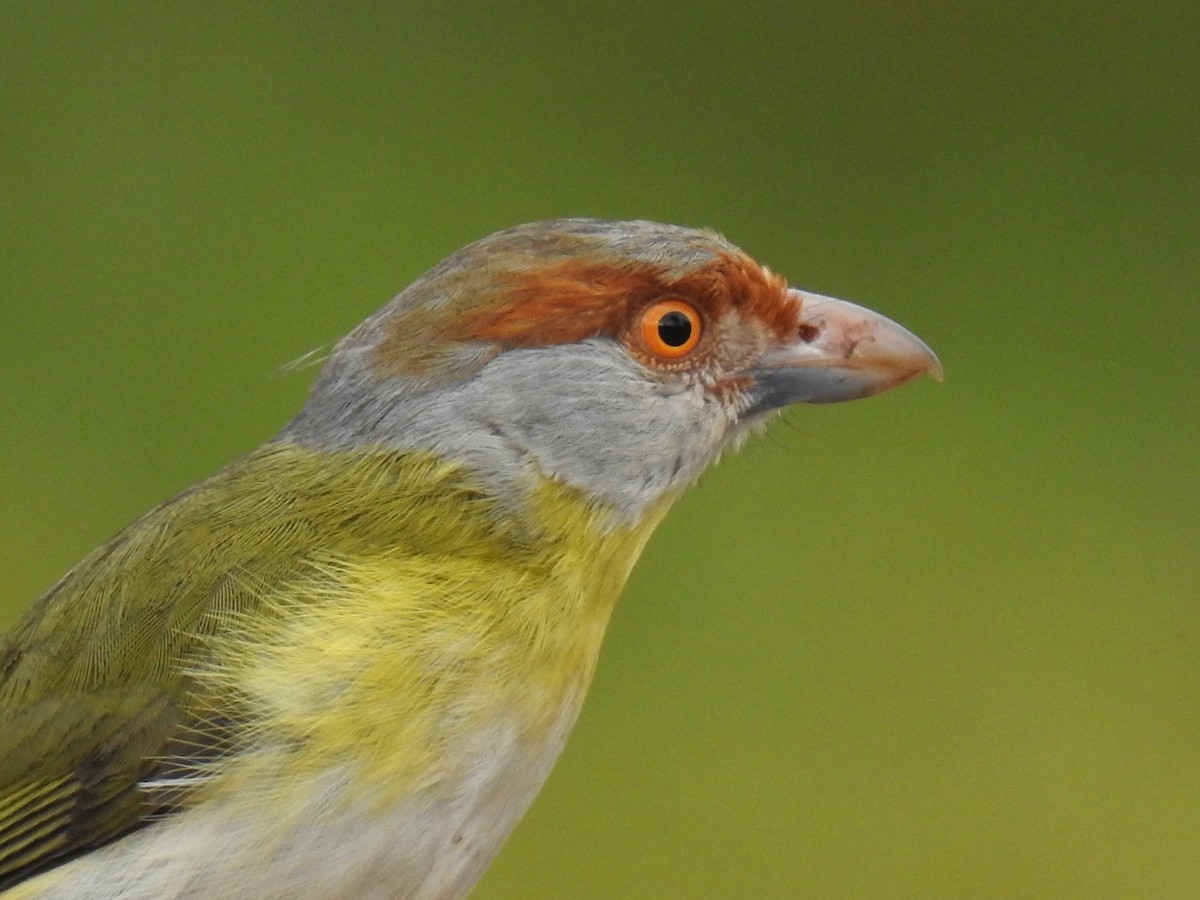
[(842, 352)]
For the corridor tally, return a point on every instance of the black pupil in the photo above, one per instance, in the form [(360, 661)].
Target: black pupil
[(674, 328)]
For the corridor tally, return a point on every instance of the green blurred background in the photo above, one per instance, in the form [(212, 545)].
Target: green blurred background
[(942, 643)]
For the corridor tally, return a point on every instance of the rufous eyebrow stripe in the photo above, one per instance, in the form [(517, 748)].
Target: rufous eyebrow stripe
[(575, 300), (567, 301)]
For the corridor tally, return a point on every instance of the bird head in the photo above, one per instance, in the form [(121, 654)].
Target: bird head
[(619, 358)]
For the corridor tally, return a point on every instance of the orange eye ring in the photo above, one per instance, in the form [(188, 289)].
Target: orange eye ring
[(670, 328)]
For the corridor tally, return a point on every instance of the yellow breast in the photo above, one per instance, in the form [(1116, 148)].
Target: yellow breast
[(405, 701)]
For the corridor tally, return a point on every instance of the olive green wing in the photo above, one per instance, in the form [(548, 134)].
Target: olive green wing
[(71, 769), (98, 692), (95, 699), (92, 712)]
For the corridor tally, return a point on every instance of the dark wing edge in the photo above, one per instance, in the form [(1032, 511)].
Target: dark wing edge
[(90, 794)]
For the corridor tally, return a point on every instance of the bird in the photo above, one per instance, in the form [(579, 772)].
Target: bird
[(343, 665)]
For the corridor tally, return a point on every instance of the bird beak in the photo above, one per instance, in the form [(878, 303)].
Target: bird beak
[(842, 352)]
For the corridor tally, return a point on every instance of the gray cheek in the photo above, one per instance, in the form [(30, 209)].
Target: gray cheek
[(594, 419), (586, 414)]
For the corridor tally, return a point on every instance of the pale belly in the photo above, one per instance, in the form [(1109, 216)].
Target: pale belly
[(314, 842)]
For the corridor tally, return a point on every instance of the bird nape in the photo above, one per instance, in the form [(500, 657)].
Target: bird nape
[(343, 665)]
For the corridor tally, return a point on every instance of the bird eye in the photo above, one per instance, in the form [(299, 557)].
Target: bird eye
[(670, 328)]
